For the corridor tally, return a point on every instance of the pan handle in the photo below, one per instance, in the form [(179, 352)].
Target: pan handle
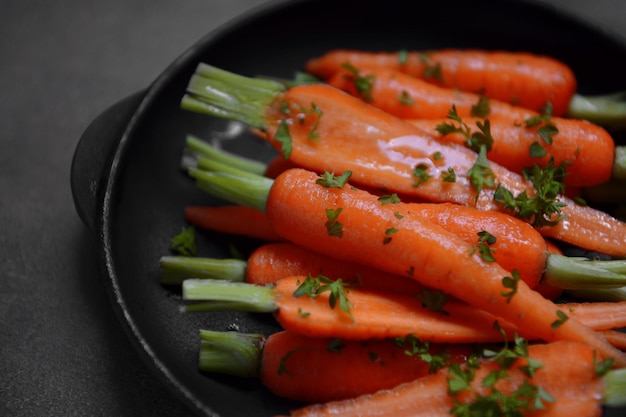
[(93, 155)]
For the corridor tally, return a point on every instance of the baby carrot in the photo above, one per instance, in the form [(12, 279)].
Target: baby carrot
[(351, 222), (407, 97), (520, 78), (586, 149), (233, 219), (551, 390), (322, 129), (311, 369), (272, 261)]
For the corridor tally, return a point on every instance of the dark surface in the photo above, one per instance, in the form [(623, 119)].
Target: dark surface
[(64, 351)]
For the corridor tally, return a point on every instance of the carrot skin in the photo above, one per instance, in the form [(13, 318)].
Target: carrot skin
[(424, 100), (271, 262), (297, 209), (576, 387), (586, 148), (303, 368), (232, 219), (388, 149), (521, 78), (518, 245)]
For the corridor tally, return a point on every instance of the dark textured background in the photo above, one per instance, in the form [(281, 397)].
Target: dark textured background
[(62, 350)]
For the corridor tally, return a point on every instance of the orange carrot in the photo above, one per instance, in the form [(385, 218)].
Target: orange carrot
[(310, 369), (517, 245), (305, 212), (301, 306), (587, 149), (270, 262), (520, 78), (299, 208), (407, 97), (575, 389), (323, 129), (234, 219)]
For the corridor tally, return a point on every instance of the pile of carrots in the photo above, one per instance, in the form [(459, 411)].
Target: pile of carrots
[(414, 222)]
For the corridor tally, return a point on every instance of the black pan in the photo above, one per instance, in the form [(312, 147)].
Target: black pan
[(129, 190)]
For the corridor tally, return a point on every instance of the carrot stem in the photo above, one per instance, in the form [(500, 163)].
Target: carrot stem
[(226, 95), (235, 296), (175, 269), (578, 273), (608, 110), (561, 271), (231, 353), (615, 388), (238, 189), (197, 147)]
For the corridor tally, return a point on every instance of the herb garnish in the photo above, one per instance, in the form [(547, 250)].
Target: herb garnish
[(333, 226), (540, 209), (184, 243), (363, 84), (313, 287), (330, 180), (283, 137)]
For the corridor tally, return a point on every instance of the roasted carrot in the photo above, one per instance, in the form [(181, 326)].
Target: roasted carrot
[(300, 306), (310, 369), (520, 78), (411, 98), (344, 220), (323, 129), (499, 237), (234, 219), (586, 149), (270, 262), (554, 389)]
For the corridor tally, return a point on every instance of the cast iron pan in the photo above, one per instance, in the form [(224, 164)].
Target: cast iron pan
[(129, 190)]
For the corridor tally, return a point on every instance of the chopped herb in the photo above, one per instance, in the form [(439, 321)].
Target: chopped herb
[(405, 98), (510, 283), (333, 226), (398, 215), (546, 128), (284, 107), (313, 134), (602, 367), (485, 240), (363, 84), (390, 231), (437, 156), (282, 366), (303, 314), (420, 172), (434, 300), (184, 243), (330, 180), (480, 174), (449, 175), (561, 319), (540, 209), (313, 287), (411, 271), (537, 150), (474, 140), (389, 199), (431, 69), (283, 137), (482, 108), (335, 345), (413, 346), (403, 56)]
